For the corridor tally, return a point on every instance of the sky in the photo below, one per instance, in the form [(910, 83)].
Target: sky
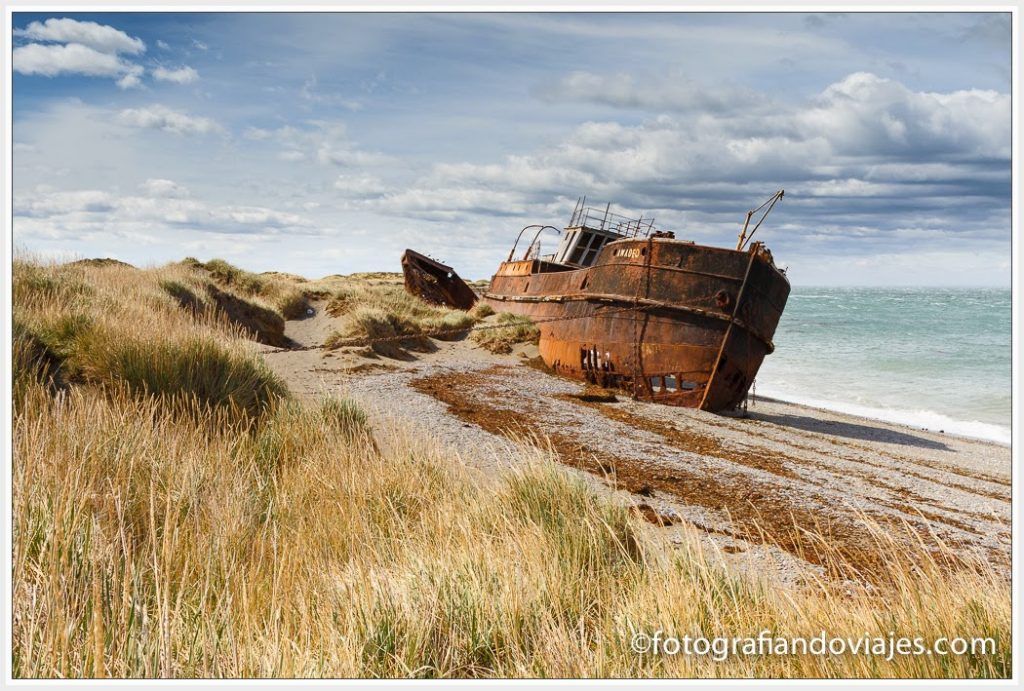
[(329, 142)]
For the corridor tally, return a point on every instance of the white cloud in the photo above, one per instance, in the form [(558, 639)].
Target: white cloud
[(850, 187), (858, 155), (73, 47), (49, 204), (864, 113), (102, 38), (360, 185), (348, 156), (324, 141), (161, 117), (54, 60), (132, 79), (182, 75), (162, 45), (160, 187), (70, 212)]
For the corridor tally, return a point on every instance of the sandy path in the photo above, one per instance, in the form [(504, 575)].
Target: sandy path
[(781, 469)]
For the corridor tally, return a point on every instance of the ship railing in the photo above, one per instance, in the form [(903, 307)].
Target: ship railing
[(597, 218)]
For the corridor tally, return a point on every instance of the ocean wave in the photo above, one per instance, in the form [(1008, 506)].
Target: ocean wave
[(920, 419)]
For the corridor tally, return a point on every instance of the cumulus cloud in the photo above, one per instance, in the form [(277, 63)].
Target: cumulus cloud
[(161, 117), (865, 114), (862, 155), (99, 37), (182, 75), (53, 60), (67, 46), (132, 79)]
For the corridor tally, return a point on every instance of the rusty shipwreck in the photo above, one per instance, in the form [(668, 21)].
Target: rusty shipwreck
[(621, 304)]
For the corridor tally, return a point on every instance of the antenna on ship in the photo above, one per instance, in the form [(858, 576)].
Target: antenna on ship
[(750, 214)]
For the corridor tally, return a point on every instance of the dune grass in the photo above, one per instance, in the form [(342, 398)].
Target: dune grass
[(174, 535), (376, 306), (284, 293), (154, 332), (508, 330)]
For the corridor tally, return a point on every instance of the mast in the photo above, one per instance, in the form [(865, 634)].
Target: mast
[(744, 237)]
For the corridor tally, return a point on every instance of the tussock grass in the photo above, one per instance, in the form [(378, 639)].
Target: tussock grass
[(110, 326), (32, 362), (374, 323), (185, 296), (379, 307), (291, 302), (510, 330), (284, 293), (304, 542), (239, 279)]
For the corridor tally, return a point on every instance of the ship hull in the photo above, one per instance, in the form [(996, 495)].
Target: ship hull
[(668, 321), (434, 282)]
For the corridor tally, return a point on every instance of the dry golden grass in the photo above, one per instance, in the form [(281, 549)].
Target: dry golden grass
[(376, 306), (506, 331), (286, 293), (481, 310), (159, 332), (161, 533)]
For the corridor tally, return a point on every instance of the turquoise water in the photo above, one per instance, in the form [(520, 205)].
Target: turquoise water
[(935, 358)]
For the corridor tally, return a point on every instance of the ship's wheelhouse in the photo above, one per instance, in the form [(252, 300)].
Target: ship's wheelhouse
[(588, 231), (591, 229), (580, 245)]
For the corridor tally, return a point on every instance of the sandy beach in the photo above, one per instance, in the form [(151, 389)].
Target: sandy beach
[(753, 482)]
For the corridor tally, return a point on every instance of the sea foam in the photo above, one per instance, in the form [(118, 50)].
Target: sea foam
[(920, 419)]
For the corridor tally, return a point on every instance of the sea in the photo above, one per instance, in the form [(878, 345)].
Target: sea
[(931, 358)]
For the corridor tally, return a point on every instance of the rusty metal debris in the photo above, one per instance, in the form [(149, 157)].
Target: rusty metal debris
[(621, 304), (435, 282)]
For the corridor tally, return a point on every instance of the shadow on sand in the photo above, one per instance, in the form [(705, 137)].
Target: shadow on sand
[(865, 432)]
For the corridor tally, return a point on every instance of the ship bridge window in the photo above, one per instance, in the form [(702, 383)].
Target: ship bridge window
[(587, 248)]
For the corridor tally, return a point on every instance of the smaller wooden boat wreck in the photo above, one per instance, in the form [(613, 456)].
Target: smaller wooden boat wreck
[(435, 282), (621, 304)]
